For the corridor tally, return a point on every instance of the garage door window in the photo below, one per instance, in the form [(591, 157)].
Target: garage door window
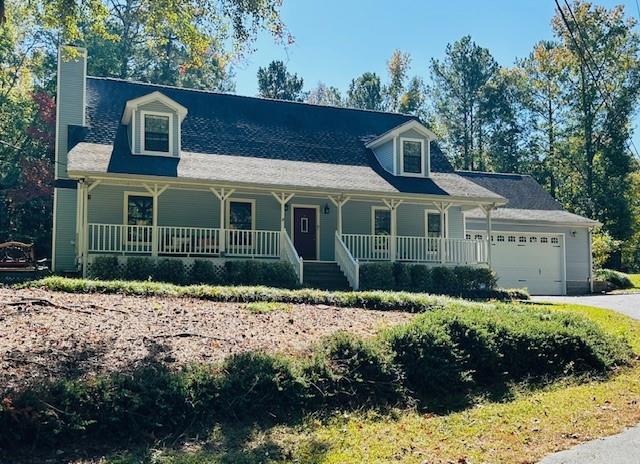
[(543, 240), (554, 240), (501, 238), (511, 238), (533, 239)]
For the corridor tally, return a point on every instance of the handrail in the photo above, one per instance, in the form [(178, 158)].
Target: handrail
[(290, 254), (347, 263)]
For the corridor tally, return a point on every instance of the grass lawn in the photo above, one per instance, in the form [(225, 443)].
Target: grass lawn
[(635, 278), (522, 429)]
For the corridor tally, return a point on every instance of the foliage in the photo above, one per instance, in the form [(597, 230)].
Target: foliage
[(276, 82), (615, 279), (366, 92), (437, 357), (378, 300), (252, 272), (170, 270), (265, 307), (325, 95), (139, 268), (105, 268), (440, 280), (204, 272), (602, 246)]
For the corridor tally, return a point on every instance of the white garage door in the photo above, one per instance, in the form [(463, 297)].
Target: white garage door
[(532, 261)]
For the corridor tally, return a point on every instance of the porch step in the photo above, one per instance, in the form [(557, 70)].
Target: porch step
[(324, 276)]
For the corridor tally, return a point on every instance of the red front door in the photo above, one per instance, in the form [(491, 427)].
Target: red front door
[(304, 232)]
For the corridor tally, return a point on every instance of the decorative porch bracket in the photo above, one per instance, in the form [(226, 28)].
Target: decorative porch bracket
[(442, 209), (282, 198), (222, 195), (393, 206), (155, 194), (487, 211), (339, 201)]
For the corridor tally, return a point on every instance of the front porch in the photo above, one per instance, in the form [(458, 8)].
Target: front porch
[(219, 223)]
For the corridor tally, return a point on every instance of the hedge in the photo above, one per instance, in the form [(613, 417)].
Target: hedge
[(440, 280), (614, 279), (439, 357), (240, 272), (378, 300)]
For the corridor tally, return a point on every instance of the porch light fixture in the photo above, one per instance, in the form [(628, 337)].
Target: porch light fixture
[(326, 208)]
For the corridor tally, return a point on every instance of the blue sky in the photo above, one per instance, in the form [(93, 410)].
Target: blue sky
[(337, 40)]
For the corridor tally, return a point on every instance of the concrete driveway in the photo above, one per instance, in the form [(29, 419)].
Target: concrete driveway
[(623, 448), (628, 304)]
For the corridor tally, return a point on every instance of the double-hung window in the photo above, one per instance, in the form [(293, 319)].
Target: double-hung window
[(381, 225), (412, 152), (139, 217), (157, 133), (240, 221)]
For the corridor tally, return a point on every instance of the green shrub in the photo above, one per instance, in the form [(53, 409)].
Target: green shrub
[(279, 274), (170, 270), (353, 372), (138, 268), (420, 278), (105, 268), (614, 279), (432, 363), (377, 276), (472, 279), (402, 276), (443, 282), (256, 384), (205, 272)]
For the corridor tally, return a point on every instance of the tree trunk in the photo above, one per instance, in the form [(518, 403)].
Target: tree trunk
[(587, 127)]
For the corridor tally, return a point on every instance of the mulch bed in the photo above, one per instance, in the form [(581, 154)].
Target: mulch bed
[(52, 335)]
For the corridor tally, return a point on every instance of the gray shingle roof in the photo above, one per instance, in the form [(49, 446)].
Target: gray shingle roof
[(102, 159), (247, 126), (528, 201)]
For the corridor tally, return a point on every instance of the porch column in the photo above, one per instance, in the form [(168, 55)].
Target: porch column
[(487, 211), (393, 206), (222, 195), (84, 220), (442, 209), (339, 202), (155, 193)]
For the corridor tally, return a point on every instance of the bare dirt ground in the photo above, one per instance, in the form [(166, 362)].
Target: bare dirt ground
[(49, 335)]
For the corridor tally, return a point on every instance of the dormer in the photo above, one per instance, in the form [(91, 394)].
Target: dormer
[(154, 125), (405, 150)]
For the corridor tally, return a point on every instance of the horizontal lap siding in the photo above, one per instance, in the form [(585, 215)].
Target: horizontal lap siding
[(65, 233), (188, 209), (576, 248)]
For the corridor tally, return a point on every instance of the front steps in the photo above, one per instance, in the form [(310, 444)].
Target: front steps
[(324, 276)]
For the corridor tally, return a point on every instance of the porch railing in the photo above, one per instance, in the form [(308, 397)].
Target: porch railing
[(416, 249), (182, 241), (290, 254), (347, 263)]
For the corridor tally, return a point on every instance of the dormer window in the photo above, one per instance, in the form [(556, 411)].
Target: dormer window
[(411, 156), (154, 125), (157, 132)]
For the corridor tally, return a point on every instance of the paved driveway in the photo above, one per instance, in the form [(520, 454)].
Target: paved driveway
[(628, 304), (623, 448)]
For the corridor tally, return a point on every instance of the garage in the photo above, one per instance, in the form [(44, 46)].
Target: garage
[(528, 260)]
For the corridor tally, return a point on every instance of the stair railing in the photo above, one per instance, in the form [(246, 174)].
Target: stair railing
[(347, 263), (289, 253)]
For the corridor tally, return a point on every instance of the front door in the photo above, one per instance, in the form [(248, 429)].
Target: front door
[(304, 232)]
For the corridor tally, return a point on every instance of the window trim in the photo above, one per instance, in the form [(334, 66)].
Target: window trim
[(373, 219), (125, 206), (240, 200), (444, 234), (422, 154), (143, 150)]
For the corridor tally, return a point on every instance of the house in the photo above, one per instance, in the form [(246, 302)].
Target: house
[(149, 170)]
